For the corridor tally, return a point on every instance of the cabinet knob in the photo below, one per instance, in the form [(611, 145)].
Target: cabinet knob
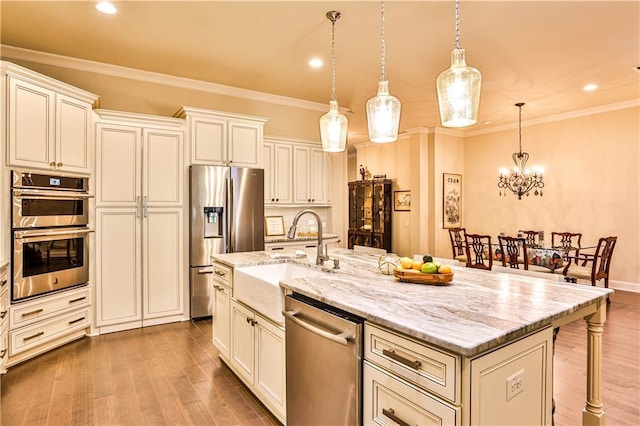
[(59, 164), (53, 164), (277, 199)]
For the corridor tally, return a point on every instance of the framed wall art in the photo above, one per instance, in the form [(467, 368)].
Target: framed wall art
[(402, 201), (451, 200), (273, 225)]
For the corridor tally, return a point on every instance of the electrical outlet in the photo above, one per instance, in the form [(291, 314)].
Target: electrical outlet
[(515, 384)]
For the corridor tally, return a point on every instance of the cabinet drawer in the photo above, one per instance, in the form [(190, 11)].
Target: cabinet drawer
[(429, 368), (36, 310), (222, 274), (4, 308), (37, 334), (388, 400), (4, 343)]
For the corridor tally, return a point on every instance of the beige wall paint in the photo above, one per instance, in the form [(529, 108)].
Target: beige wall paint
[(592, 183)]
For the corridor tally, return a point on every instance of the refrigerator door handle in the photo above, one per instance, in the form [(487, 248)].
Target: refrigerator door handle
[(231, 234)]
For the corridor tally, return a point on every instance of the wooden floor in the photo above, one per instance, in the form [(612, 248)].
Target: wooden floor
[(171, 374)]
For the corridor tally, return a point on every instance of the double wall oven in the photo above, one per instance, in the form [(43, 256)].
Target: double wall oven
[(50, 245)]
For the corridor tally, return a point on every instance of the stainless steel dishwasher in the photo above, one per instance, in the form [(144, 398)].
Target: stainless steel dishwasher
[(324, 364)]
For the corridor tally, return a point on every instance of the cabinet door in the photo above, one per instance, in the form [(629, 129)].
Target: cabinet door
[(163, 263), (73, 120), (208, 141), (301, 160), (270, 367), (318, 176), (282, 173), (118, 164), (31, 125), (242, 340), (118, 260), (269, 169), (221, 318), (162, 168), (244, 144)]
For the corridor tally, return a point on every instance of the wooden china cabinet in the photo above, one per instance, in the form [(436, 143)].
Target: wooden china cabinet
[(370, 214)]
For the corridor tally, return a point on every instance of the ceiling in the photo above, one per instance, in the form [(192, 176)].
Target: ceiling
[(538, 52)]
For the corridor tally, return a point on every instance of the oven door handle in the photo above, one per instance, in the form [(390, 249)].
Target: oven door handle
[(32, 236), (41, 193)]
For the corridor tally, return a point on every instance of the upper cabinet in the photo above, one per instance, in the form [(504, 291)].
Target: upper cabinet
[(296, 172), (48, 122), (223, 139)]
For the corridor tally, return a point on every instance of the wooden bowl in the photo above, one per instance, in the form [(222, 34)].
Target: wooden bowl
[(408, 276)]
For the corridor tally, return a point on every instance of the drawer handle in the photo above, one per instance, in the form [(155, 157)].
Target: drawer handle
[(217, 287), (36, 312), (392, 415), (220, 273), (25, 339), (3, 314), (4, 351), (3, 283), (402, 360), (76, 320), (79, 299)]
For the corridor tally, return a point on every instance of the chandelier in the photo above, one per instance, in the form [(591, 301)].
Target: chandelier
[(458, 87), (383, 110), (333, 124), (520, 180)]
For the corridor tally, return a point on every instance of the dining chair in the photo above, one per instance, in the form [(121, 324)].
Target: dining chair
[(594, 267), (570, 242), (515, 254), (458, 244), (532, 237), (478, 249)]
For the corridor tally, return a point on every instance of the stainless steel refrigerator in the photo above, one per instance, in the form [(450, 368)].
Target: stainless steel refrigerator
[(227, 216)]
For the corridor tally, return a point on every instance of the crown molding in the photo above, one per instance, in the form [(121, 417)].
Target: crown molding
[(18, 53), (557, 117)]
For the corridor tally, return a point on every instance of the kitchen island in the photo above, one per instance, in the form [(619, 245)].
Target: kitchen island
[(477, 316)]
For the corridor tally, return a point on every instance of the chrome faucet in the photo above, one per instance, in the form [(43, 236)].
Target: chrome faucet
[(320, 258)]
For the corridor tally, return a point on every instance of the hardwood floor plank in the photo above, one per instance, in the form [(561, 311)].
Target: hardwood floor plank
[(171, 374)]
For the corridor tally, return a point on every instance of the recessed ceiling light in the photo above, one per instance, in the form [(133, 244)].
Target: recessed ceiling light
[(106, 8), (316, 63), (590, 87)]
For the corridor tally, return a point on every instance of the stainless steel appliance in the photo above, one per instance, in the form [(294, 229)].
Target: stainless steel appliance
[(324, 363), (42, 200), (50, 244), (226, 216)]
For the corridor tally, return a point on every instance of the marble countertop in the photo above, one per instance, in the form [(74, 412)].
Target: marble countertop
[(476, 312), (284, 239)]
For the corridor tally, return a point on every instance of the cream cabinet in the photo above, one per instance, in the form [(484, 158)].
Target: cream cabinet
[(4, 316), (278, 178), (41, 324), (48, 122), (311, 168), (222, 308), (223, 139), (140, 246), (407, 381), (257, 355)]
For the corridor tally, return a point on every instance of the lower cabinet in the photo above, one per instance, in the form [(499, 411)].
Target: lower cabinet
[(42, 324), (4, 316), (221, 317), (257, 355)]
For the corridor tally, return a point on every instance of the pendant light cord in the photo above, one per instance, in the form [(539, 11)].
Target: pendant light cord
[(333, 57), (384, 74), (457, 25), (520, 105)]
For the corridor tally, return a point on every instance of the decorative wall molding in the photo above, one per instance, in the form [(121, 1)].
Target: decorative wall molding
[(12, 52)]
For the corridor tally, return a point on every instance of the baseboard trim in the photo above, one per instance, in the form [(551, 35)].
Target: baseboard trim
[(625, 286)]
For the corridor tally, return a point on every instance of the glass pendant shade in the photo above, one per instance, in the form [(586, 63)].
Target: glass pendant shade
[(333, 129), (459, 92), (383, 115)]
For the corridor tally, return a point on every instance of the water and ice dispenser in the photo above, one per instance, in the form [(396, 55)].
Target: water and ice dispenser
[(213, 222)]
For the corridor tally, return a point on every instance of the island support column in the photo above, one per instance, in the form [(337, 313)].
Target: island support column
[(593, 414)]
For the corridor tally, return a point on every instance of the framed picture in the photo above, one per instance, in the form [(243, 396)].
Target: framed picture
[(402, 201), (273, 225), (451, 201)]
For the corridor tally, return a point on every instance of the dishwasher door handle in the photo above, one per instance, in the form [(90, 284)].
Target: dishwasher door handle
[(337, 338)]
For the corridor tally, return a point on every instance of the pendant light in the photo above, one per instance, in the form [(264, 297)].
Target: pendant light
[(383, 110), (333, 124), (459, 88)]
